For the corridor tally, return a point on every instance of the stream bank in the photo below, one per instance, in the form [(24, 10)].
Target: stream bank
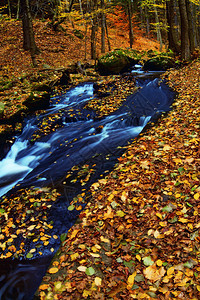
[(115, 130), (139, 236)]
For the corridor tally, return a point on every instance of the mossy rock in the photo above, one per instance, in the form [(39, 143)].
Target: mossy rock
[(2, 106), (37, 100), (159, 63), (116, 61)]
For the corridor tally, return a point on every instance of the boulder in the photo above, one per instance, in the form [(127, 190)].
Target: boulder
[(2, 106), (116, 61), (37, 100), (159, 63)]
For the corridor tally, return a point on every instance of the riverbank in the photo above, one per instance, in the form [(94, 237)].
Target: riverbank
[(59, 51), (138, 237)]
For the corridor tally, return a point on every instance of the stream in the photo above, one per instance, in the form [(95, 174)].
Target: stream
[(78, 138)]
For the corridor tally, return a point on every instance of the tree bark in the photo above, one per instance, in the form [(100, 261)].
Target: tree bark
[(93, 30), (103, 27), (172, 32), (28, 34), (109, 46), (130, 14), (191, 26), (185, 44), (159, 36)]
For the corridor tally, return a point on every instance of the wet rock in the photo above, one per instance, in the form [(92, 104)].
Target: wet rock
[(37, 100), (2, 106), (117, 61), (99, 129), (159, 63)]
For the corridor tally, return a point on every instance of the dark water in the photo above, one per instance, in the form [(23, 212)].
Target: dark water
[(80, 138)]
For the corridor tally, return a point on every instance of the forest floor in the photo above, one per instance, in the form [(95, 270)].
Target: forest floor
[(57, 50), (138, 237)]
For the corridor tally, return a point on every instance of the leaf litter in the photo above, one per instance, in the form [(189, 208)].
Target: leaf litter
[(138, 237)]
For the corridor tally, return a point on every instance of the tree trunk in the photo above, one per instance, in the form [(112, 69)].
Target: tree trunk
[(93, 30), (18, 5), (28, 35), (172, 32), (109, 46), (185, 44), (191, 26), (93, 37), (9, 9), (103, 27), (159, 36), (130, 24), (147, 23)]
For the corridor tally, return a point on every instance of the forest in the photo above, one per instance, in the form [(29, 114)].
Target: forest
[(99, 149)]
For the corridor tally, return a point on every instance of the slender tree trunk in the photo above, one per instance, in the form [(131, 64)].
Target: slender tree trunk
[(28, 34), (147, 23), (131, 38), (9, 9), (18, 5), (93, 30), (172, 32), (159, 36), (85, 40), (93, 38), (185, 44), (109, 46), (103, 27), (191, 25)]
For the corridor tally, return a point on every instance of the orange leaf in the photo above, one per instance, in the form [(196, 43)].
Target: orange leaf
[(53, 270)]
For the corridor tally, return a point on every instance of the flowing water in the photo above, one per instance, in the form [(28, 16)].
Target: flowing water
[(80, 137)]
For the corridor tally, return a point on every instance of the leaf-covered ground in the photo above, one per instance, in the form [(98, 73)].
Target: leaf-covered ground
[(138, 237), (57, 49)]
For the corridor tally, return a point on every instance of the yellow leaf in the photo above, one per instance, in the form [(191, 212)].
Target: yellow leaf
[(82, 246), (95, 185), (196, 196), (166, 148), (57, 285), (163, 224), (74, 256), (109, 214), (159, 215), (110, 197), (170, 271), (138, 257), (157, 235), (44, 238), (189, 273), (31, 227), (53, 270), (98, 281), (86, 293), (154, 274), (183, 220), (190, 226), (103, 239), (159, 262), (130, 280), (95, 249), (198, 288), (74, 233), (68, 285)]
